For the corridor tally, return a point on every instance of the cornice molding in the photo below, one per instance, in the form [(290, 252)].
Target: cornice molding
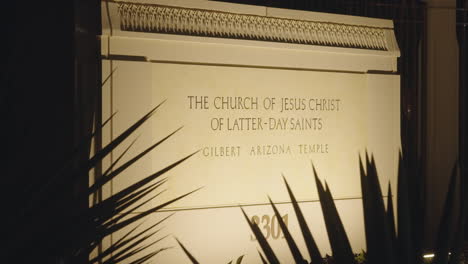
[(152, 18)]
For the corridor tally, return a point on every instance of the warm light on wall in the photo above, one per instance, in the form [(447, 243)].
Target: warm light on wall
[(256, 110)]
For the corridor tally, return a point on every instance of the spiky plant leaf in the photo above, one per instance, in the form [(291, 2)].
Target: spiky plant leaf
[(406, 247), (391, 217), (264, 261), (366, 205), (105, 217), (287, 235), (108, 177), (339, 241), (139, 216), (314, 252), (147, 257), (126, 240), (239, 259), (377, 227), (132, 249), (267, 250), (189, 255), (99, 156), (384, 246)]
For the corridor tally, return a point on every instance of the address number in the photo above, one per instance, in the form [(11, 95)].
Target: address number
[(269, 226)]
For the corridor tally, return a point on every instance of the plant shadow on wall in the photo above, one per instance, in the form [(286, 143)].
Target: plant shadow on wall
[(386, 244), (75, 235)]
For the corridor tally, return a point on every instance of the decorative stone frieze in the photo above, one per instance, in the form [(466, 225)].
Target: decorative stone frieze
[(208, 23)]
